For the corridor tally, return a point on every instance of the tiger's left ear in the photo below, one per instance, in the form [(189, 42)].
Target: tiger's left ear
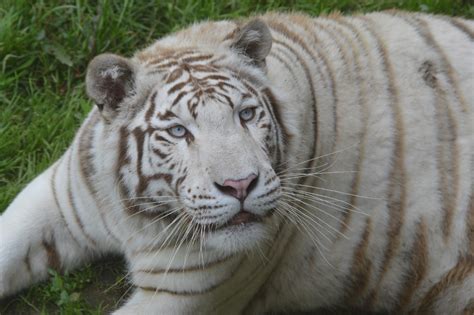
[(254, 41), (110, 80)]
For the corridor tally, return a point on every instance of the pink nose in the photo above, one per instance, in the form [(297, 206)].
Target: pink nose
[(238, 188)]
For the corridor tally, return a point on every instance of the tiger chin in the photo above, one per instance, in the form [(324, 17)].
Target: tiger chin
[(282, 163)]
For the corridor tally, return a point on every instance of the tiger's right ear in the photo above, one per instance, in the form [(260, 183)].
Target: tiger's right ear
[(254, 41), (109, 80)]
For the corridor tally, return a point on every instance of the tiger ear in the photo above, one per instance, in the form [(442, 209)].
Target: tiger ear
[(254, 41), (109, 80)]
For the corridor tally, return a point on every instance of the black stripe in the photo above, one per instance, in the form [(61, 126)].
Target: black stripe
[(86, 166), (281, 133), (56, 201), (199, 267), (356, 40), (279, 28), (450, 166), (280, 59), (397, 190), (155, 290), (72, 201), (457, 23)]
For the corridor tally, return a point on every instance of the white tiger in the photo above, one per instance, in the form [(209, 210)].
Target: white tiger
[(285, 163)]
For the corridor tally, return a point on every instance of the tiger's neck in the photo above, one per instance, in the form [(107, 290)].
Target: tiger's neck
[(187, 273)]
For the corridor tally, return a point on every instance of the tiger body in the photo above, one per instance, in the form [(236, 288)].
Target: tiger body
[(364, 155)]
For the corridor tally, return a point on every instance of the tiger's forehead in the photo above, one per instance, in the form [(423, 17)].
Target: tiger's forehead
[(187, 87)]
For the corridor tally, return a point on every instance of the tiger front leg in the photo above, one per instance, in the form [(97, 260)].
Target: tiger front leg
[(34, 237)]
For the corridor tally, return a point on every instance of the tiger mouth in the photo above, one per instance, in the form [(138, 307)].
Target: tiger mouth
[(243, 218)]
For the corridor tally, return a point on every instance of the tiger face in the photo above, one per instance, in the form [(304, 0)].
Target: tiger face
[(199, 142)]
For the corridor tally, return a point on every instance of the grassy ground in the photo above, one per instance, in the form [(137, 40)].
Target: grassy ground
[(44, 50)]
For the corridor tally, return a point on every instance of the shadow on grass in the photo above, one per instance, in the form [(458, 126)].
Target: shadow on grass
[(98, 288)]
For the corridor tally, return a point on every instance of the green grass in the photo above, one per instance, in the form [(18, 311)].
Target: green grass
[(44, 50)]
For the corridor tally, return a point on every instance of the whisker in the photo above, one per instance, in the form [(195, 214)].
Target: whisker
[(175, 230), (334, 191), (320, 198), (300, 213), (314, 239), (262, 256), (191, 241), (321, 156), (183, 238), (300, 175), (323, 211), (122, 297), (176, 224), (313, 236), (292, 169), (166, 214), (145, 197), (156, 205), (201, 240), (292, 177), (129, 272), (316, 242)]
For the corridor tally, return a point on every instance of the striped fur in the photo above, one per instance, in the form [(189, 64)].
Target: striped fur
[(361, 134)]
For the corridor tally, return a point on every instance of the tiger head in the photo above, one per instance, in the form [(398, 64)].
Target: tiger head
[(198, 136)]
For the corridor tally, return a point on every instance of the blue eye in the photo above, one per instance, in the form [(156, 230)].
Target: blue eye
[(177, 131), (247, 114)]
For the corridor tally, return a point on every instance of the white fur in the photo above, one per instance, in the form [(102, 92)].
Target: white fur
[(363, 98)]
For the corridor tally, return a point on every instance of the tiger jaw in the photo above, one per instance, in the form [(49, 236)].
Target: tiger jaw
[(243, 232), (239, 229)]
